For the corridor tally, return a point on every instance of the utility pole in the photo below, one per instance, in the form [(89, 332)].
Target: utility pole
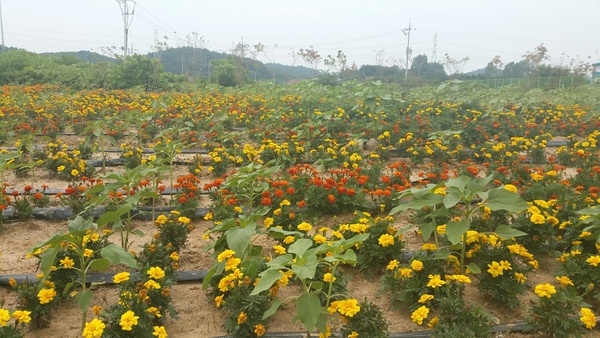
[(433, 55), (2, 28), (406, 32), (126, 21)]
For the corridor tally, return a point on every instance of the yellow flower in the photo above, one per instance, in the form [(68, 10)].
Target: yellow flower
[(241, 319), (328, 278), (218, 300), (405, 272), (495, 269), (588, 318), (279, 249), (425, 298), (416, 265), (268, 222), (435, 281), (459, 278), (593, 260), (74, 172), (392, 265), (156, 272), (67, 263), (304, 226), (433, 322), (93, 328), (151, 284), (420, 314), (289, 239), (160, 332), (520, 277), (128, 320), (544, 290), (386, 240), (319, 239), (4, 317), (22, 316), (441, 229), (348, 307), (46, 295), (429, 247), (511, 188), (161, 219), (154, 311), (184, 220), (174, 256), (225, 255), (232, 263), (121, 277), (537, 219), (353, 334), (259, 330), (564, 281)]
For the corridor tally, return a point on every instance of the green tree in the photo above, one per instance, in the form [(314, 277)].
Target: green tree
[(227, 73), (139, 70)]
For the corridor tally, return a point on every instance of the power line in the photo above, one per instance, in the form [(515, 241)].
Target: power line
[(126, 21)]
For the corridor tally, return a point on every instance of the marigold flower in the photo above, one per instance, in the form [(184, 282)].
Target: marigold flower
[(174, 256), (4, 317), (279, 249), (564, 281), (219, 300), (156, 272), (128, 320), (46, 295), (459, 278), (289, 240), (386, 240), (93, 328), (22, 316), (544, 290), (304, 226), (259, 330), (225, 255), (268, 222), (420, 314), (328, 278), (151, 284), (588, 318), (67, 263), (160, 332), (593, 260), (241, 318), (416, 265), (435, 281), (425, 298), (393, 264), (121, 277), (347, 307), (511, 188)]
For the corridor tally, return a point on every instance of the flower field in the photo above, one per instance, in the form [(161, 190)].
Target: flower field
[(458, 204)]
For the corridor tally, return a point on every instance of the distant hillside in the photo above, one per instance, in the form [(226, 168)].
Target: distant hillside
[(83, 55)]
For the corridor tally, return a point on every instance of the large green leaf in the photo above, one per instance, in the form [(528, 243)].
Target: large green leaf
[(453, 196), (267, 279), (455, 230), (99, 264), (427, 229), (595, 210), (112, 216), (418, 203), (84, 298), (308, 308), (479, 184), (307, 267), (502, 199), (300, 246), (117, 255), (271, 311), (238, 239), (506, 232)]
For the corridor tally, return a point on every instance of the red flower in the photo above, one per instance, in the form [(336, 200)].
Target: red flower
[(28, 188), (279, 193), (331, 198), (290, 190), (182, 199), (266, 201), (302, 204)]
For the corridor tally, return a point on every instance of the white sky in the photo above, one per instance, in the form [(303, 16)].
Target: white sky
[(479, 29)]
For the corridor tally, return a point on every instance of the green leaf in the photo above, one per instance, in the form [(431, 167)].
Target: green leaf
[(84, 298), (117, 255), (137, 232), (474, 268), (506, 232), (595, 210), (458, 182), (308, 307), (502, 199), (427, 229), (238, 239), (479, 184), (418, 203), (271, 311), (443, 253), (300, 246), (112, 216), (99, 264), (267, 279), (455, 230), (306, 268), (453, 196)]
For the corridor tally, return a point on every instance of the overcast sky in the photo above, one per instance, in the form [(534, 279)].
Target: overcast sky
[(363, 30)]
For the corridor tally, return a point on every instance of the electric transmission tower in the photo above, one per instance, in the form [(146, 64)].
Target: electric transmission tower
[(433, 55), (127, 19), (406, 32)]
